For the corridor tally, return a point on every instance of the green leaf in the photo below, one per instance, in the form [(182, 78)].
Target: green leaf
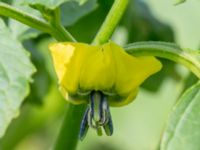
[(183, 128), (15, 75), (42, 78), (50, 4)]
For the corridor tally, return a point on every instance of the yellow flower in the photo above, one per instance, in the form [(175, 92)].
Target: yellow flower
[(102, 76), (82, 68)]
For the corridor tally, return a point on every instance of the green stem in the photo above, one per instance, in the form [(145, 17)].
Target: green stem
[(110, 22), (61, 34), (57, 32), (58, 28), (166, 50), (25, 18), (69, 132)]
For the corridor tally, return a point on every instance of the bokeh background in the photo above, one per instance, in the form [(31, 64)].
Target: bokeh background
[(137, 126)]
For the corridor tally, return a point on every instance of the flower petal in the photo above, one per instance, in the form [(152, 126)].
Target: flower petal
[(98, 71), (132, 71)]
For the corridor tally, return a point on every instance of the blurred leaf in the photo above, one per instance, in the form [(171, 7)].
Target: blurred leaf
[(42, 78), (72, 11), (33, 118), (177, 18), (6, 1), (15, 75), (50, 4), (143, 26), (179, 1), (183, 128), (42, 47)]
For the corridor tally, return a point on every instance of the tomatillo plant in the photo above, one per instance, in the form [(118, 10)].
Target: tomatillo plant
[(92, 77)]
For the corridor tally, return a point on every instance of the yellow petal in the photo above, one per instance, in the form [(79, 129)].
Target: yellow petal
[(70, 80), (98, 71), (62, 55)]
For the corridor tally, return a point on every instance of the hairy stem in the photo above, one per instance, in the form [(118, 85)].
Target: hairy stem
[(166, 50), (111, 22)]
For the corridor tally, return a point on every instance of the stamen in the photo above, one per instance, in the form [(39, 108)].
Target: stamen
[(84, 125), (104, 111), (97, 115), (108, 128), (91, 122), (96, 106)]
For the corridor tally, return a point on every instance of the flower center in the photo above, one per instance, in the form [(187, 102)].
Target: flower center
[(97, 115)]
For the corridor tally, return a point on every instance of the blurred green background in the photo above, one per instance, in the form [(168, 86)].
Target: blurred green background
[(137, 126)]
